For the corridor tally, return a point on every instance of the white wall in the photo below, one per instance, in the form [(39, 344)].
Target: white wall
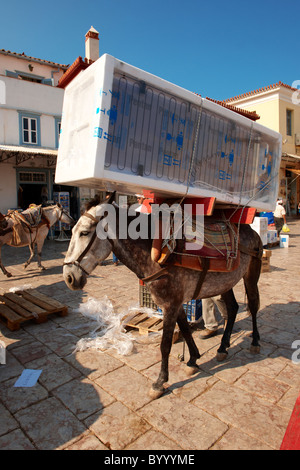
[(33, 98), (8, 190), (16, 63), (9, 127)]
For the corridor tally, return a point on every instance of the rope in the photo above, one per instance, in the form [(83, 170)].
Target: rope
[(173, 236)]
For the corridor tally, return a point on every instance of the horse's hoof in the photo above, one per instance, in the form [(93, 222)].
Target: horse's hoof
[(155, 393), (191, 370), (25, 266), (8, 274), (221, 356), (254, 349)]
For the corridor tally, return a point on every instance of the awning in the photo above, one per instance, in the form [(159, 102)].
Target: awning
[(22, 153), (291, 156)]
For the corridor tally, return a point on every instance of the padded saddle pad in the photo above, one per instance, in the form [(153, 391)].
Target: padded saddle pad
[(219, 247), (32, 216)]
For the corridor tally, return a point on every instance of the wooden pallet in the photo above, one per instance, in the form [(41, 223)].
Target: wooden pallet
[(23, 306), (145, 324)]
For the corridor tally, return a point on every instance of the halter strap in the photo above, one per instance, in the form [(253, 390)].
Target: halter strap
[(87, 248), (90, 216)]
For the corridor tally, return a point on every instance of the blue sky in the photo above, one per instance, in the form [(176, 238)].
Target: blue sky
[(215, 48)]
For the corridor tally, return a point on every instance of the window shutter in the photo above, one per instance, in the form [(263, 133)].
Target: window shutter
[(48, 81)]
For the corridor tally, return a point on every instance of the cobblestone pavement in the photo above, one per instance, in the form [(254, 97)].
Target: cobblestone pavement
[(99, 400)]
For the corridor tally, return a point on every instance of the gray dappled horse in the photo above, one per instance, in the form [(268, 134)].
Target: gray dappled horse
[(177, 285), (33, 236)]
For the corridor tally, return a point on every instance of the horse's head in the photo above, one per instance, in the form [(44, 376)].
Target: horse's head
[(64, 216), (86, 249)]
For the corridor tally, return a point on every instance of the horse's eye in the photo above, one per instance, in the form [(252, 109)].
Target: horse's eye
[(84, 234)]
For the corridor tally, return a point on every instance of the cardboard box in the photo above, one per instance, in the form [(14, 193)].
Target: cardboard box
[(265, 265), (127, 130)]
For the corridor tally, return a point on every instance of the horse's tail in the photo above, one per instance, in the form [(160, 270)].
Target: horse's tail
[(3, 221)]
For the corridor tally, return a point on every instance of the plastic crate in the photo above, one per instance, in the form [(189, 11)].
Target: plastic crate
[(193, 308), (146, 299)]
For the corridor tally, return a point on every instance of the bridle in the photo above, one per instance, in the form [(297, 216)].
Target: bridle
[(87, 248), (62, 211)]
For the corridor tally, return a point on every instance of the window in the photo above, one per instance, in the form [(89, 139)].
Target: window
[(29, 129), (32, 177), (30, 77), (289, 114), (57, 130)]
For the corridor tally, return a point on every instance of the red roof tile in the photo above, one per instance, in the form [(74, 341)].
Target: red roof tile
[(260, 90), (28, 57), (249, 114), (78, 65)]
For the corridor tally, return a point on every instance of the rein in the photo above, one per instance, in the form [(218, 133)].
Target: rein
[(87, 248)]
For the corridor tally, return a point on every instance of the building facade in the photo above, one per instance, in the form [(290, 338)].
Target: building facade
[(278, 106), (31, 102), (30, 116)]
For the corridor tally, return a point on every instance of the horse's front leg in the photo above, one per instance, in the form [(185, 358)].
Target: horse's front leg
[(5, 272), (192, 367), (170, 318), (40, 238), (31, 248)]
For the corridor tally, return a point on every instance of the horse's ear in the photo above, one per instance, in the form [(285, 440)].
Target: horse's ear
[(111, 198), (59, 205)]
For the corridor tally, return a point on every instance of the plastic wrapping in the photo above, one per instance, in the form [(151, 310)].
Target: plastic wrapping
[(109, 332)]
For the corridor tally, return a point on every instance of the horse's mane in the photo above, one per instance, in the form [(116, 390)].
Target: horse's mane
[(97, 200), (93, 202)]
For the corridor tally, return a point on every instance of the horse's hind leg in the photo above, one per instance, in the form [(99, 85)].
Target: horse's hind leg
[(39, 255), (232, 309), (5, 272), (187, 335), (251, 281)]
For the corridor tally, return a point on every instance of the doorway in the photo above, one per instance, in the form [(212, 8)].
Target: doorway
[(29, 194), (33, 187)]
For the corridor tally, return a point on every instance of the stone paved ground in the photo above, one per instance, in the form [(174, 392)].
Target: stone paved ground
[(99, 400)]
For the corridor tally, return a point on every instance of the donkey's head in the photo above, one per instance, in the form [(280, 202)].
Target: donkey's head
[(87, 248)]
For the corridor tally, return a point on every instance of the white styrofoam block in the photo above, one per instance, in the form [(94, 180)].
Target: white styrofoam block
[(128, 130), (272, 236), (284, 241), (260, 225)]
